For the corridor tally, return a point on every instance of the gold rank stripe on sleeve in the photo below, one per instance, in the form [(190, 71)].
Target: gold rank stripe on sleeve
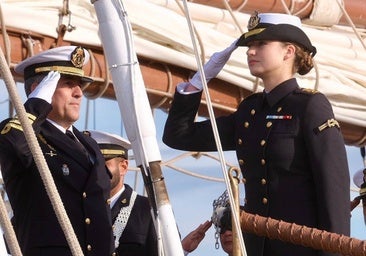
[(328, 124), (15, 123)]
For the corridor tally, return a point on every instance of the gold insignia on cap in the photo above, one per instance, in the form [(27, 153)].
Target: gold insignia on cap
[(78, 57), (253, 21)]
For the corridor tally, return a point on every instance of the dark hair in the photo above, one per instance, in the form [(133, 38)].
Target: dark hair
[(30, 81), (303, 60)]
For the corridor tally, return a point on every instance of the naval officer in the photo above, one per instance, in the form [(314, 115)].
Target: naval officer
[(133, 226), (53, 82), (287, 140)]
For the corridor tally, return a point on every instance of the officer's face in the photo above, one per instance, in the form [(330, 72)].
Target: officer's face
[(113, 167), (267, 59), (66, 101), (118, 167)]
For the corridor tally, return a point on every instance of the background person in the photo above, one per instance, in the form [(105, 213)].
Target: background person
[(131, 213), (288, 143), (53, 81), (221, 218)]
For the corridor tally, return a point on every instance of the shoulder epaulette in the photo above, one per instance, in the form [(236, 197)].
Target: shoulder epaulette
[(15, 123), (308, 91)]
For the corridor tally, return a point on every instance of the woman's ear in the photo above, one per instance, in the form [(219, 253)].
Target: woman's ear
[(290, 51)]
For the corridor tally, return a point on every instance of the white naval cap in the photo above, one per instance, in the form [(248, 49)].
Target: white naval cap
[(280, 18), (276, 27), (111, 145), (68, 60)]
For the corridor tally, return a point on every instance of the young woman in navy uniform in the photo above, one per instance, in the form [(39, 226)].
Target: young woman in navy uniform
[(79, 171), (289, 146)]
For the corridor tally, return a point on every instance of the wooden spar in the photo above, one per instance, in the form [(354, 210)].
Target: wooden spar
[(160, 80), (355, 8)]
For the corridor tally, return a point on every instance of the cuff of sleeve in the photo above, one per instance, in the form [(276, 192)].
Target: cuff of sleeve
[(185, 252), (182, 86)]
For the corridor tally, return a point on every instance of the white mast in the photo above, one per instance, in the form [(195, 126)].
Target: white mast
[(116, 36)]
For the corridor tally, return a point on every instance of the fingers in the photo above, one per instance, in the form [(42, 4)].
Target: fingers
[(202, 229), (46, 88)]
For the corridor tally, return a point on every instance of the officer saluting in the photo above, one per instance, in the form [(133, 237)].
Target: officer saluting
[(288, 143), (53, 81)]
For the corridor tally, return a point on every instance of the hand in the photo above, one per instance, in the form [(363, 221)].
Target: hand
[(193, 239), (213, 66), (46, 88)]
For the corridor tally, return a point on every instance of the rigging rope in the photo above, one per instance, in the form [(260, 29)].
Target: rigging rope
[(214, 126), (349, 20)]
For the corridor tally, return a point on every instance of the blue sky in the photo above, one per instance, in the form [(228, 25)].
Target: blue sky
[(190, 197)]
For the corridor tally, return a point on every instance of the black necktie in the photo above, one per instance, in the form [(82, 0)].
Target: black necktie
[(78, 143)]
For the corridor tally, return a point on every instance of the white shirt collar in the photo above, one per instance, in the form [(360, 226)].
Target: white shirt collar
[(116, 196), (62, 129)]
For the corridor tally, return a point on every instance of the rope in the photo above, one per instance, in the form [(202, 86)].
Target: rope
[(349, 20), (40, 160), (198, 37), (302, 235), (11, 239), (214, 126), (227, 6)]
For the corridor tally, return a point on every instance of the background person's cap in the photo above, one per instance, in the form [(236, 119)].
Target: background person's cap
[(111, 145)]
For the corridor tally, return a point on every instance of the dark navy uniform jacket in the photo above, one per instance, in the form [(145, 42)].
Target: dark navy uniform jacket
[(84, 187), (139, 236), (291, 154)]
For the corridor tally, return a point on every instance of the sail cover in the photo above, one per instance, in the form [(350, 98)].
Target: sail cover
[(161, 34)]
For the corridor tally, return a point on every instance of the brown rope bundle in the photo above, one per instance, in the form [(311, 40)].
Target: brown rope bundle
[(301, 235)]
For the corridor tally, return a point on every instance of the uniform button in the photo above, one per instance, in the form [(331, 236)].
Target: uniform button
[(252, 112), (263, 142), (87, 221), (244, 180), (263, 181), (84, 195), (269, 124), (109, 201), (263, 162), (246, 124), (240, 141), (279, 109), (89, 247), (264, 200), (114, 254), (241, 162)]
